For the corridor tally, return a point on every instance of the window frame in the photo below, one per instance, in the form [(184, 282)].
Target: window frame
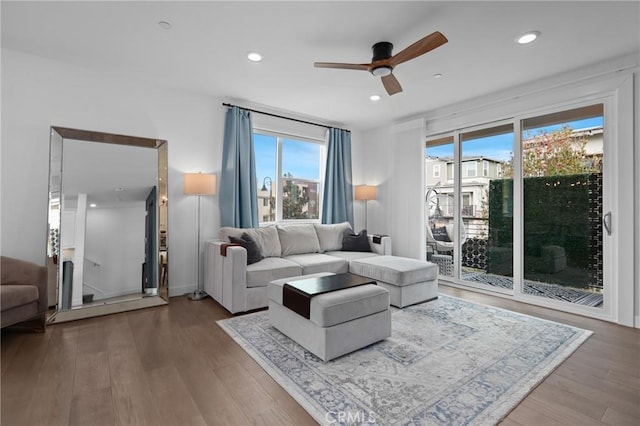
[(466, 168), (279, 179)]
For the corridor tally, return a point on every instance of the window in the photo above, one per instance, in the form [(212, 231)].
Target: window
[(288, 172), (485, 168), (436, 170), (469, 169), (467, 204)]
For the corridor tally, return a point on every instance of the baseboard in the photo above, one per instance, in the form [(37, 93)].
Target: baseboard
[(181, 290)]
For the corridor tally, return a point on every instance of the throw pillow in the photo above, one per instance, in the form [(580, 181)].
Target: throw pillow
[(330, 235), (355, 242), (440, 234), (298, 239), (267, 239), (253, 251)]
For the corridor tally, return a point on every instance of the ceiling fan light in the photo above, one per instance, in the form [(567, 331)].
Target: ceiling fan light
[(381, 71)]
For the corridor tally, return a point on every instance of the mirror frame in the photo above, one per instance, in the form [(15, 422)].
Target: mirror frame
[(57, 137)]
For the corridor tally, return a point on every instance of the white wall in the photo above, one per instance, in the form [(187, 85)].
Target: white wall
[(38, 93), (393, 159), (115, 241), (371, 166)]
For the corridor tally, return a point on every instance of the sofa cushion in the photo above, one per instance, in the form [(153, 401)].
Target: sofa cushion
[(266, 237), (317, 262), (355, 242), (249, 244), (330, 235), (17, 295), (298, 239), (351, 255), (399, 271), (260, 274)]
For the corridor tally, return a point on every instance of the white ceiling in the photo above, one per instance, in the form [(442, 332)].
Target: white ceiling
[(111, 175), (206, 49)]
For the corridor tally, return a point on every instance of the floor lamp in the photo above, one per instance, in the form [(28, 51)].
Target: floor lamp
[(365, 193), (199, 184)]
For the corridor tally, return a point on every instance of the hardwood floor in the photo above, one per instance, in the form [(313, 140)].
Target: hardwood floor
[(172, 365)]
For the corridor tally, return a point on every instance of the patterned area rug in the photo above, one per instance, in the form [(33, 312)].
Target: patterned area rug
[(448, 362)]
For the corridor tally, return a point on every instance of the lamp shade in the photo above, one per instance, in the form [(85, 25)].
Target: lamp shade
[(199, 184), (365, 192)]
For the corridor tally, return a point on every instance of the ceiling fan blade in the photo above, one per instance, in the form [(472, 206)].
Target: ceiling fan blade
[(418, 48), (391, 84), (338, 65)]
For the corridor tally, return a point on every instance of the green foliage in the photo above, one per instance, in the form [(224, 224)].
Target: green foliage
[(556, 153), (558, 211), (294, 200)]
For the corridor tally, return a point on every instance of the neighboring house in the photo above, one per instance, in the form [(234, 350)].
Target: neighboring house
[(306, 202), (476, 174)]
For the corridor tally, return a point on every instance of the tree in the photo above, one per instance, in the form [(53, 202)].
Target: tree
[(554, 153), (295, 199)]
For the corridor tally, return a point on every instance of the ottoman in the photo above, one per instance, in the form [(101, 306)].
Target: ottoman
[(409, 281), (340, 321)]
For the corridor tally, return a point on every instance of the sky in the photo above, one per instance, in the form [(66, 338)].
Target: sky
[(301, 159), (500, 147)]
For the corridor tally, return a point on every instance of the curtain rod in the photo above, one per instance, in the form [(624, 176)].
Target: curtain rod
[(281, 116)]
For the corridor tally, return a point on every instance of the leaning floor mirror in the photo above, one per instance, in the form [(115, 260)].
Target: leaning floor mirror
[(107, 241)]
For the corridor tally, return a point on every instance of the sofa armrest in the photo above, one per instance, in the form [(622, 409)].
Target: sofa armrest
[(380, 244), (234, 279), (225, 275), (213, 270), (21, 272)]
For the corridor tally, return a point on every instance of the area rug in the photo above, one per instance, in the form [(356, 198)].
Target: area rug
[(448, 362)]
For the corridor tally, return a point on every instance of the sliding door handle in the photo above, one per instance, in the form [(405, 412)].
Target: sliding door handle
[(606, 222)]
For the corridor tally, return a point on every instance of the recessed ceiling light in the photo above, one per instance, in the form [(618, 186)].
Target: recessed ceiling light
[(165, 25), (93, 205), (437, 75), (118, 189), (528, 37), (254, 57), (374, 97)]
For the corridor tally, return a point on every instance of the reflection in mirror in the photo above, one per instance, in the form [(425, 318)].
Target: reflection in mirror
[(107, 222)]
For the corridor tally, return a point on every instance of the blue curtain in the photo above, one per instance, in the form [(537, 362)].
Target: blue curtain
[(238, 186), (337, 205)]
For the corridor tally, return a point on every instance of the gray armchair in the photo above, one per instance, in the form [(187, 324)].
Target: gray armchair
[(23, 292)]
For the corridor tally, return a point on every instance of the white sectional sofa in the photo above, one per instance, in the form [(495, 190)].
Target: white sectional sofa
[(288, 249)]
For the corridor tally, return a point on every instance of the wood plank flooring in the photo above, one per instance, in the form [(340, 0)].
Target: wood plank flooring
[(172, 365)]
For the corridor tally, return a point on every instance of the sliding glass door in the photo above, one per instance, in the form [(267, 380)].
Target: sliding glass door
[(517, 207), (440, 179), (487, 207), (562, 169)]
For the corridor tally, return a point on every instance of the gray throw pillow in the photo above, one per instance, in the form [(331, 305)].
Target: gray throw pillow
[(355, 242), (253, 251)]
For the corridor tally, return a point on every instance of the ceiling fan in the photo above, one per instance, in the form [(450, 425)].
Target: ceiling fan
[(383, 63)]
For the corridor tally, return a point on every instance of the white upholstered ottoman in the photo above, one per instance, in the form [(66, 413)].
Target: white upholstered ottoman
[(340, 322), (409, 281)]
